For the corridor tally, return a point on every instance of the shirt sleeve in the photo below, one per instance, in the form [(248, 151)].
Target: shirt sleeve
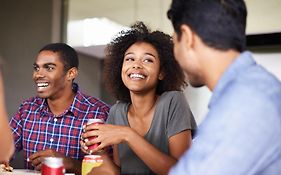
[(112, 113), (103, 112), (16, 127), (180, 117)]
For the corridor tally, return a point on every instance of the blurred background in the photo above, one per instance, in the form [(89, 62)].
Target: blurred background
[(88, 25)]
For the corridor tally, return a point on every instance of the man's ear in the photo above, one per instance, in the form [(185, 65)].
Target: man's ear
[(72, 73), (187, 35)]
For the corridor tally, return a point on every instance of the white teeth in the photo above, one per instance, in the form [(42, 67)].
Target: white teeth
[(137, 76), (40, 85)]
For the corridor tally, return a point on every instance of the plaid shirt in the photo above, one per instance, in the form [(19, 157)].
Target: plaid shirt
[(36, 128)]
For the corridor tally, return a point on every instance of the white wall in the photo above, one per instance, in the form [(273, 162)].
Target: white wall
[(263, 16), (271, 61)]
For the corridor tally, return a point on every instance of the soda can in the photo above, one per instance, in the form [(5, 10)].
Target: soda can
[(52, 166), (89, 162), (94, 122)]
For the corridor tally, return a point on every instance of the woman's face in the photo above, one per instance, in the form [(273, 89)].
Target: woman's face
[(141, 68)]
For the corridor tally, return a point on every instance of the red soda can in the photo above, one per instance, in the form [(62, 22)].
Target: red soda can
[(52, 166), (95, 121)]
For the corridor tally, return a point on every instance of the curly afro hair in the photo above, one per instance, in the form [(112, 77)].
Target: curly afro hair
[(174, 78)]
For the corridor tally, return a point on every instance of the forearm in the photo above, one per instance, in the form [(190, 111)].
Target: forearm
[(6, 139), (72, 165), (109, 167), (157, 161)]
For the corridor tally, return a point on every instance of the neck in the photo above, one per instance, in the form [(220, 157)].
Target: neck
[(215, 65), (143, 104), (59, 105)]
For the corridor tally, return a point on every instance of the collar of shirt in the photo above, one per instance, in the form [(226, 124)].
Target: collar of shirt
[(73, 109), (238, 66)]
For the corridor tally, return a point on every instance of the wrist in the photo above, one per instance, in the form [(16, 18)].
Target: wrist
[(129, 134)]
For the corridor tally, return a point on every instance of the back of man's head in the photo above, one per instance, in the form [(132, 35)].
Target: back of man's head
[(220, 24), (67, 54)]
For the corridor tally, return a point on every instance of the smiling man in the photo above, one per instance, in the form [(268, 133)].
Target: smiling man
[(50, 124)]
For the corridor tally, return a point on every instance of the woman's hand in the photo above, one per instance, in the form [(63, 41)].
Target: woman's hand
[(104, 134)]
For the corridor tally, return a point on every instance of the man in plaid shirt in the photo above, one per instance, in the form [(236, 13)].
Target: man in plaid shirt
[(50, 124)]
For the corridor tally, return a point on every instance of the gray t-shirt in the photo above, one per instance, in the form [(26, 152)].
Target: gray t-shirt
[(172, 115)]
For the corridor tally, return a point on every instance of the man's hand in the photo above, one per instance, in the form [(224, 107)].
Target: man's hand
[(37, 158), (70, 164)]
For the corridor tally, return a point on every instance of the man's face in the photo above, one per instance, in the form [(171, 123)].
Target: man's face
[(185, 55), (49, 76)]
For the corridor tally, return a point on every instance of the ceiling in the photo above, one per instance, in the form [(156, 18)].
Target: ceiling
[(124, 12), (263, 16)]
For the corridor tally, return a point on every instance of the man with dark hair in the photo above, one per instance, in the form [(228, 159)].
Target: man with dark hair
[(241, 132), (51, 123)]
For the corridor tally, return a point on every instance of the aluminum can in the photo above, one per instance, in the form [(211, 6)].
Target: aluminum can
[(94, 122), (52, 166), (89, 162)]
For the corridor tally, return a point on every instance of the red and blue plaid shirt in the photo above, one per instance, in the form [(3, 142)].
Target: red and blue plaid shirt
[(36, 128)]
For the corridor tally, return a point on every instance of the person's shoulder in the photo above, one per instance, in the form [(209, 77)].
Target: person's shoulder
[(171, 95), (168, 98), (260, 81), (117, 113), (119, 104), (91, 100), (257, 88), (33, 101), (253, 75)]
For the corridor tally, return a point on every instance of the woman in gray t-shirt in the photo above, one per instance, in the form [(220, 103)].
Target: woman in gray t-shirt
[(151, 125)]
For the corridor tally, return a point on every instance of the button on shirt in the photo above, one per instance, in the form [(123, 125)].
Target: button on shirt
[(35, 128), (241, 132)]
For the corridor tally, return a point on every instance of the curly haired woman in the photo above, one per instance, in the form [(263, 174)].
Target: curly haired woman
[(151, 125)]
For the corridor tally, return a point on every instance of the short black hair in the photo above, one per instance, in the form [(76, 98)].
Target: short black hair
[(67, 54), (174, 78), (220, 24)]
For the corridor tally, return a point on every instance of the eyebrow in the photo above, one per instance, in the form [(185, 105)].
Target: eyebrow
[(128, 53), (46, 64), (150, 55), (144, 54)]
